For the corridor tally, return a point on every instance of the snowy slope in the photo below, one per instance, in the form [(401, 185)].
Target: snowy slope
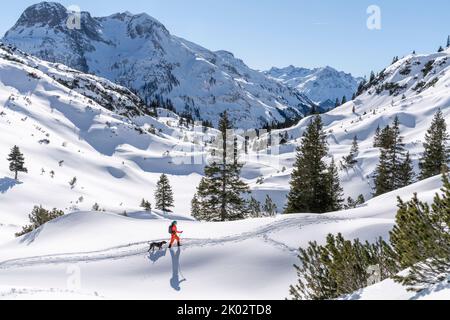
[(138, 52), (249, 259), (390, 290), (416, 99), (322, 85), (79, 125)]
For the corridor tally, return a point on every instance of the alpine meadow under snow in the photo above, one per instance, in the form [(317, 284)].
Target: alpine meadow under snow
[(94, 148)]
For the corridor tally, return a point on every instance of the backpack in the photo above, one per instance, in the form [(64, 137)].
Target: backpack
[(170, 229)]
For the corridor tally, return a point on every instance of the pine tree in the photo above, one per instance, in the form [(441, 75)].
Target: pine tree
[(335, 191), (164, 194), (352, 204), (440, 49), (337, 104), (372, 77), (437, 154), (195, 207), (406, 176), (394, 162), (448, 42), (16, 162), (350, 160), (309, 181), (397, 155), (270, 208), (360, 200), (205, 201), (361, 87), (382, 176), (377, 138), (254, 207), (221, 192), (344, 100), (383, 179)]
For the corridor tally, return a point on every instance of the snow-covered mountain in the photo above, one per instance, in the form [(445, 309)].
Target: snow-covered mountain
[(138, 52), (322, 85)]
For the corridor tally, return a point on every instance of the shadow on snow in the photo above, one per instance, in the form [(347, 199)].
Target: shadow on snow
[(7, 183)]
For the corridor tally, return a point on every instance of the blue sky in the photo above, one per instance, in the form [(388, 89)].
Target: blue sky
[(267, 33)]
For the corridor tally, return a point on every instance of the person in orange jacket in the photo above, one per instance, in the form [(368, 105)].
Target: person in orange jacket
[(174, 232)]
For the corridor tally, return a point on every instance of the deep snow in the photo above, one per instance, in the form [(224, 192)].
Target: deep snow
[(249, 259)]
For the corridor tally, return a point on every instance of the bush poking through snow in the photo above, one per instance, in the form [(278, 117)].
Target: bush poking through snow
[(421, 239), (270, 208), (420, 244), (341, 267), (38, 217), (73, 182), (352, 204), (146, 205), (254, 207)]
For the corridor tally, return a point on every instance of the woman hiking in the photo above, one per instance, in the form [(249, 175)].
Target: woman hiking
[(174, 232)]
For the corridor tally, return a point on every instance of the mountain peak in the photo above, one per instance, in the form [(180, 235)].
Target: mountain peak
[(46, 5), (52, 15), (320, 84), (139, 25), (44, 14)]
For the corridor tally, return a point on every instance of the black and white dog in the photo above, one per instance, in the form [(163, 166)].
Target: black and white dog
[(156, 245)]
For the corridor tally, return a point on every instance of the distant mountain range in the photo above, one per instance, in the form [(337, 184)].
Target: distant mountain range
[(322, 85)]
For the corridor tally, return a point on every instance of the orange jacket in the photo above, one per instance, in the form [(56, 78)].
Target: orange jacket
[(175, 230)]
